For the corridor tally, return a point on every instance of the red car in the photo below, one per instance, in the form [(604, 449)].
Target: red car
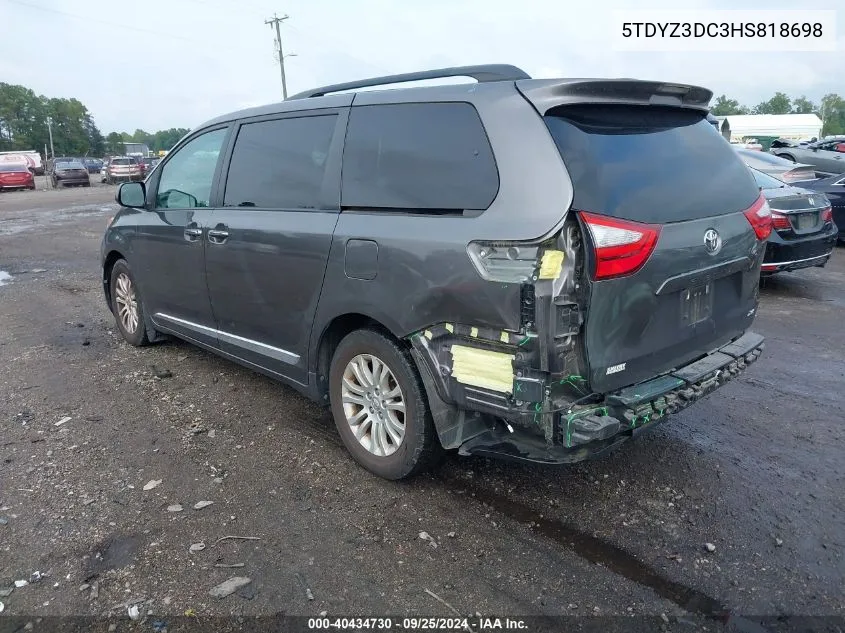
[(14, 176)]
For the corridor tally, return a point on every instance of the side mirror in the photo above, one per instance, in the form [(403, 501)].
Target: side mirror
[(132, 195)]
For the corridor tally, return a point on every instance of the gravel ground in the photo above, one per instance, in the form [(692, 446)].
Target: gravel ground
[(733, 505)]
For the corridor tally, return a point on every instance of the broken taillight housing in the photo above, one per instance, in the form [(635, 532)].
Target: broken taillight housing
[(505, 262), (621, 247), (759, 215), (780, 222)]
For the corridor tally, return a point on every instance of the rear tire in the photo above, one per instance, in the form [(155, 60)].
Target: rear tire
[(127, 305), (389, 413)]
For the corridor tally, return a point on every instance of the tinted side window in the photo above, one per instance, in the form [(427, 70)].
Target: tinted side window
[(186, 178), (280, 164), (418, 156)]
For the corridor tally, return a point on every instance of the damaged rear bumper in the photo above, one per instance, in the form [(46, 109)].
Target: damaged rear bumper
[(584, 432)]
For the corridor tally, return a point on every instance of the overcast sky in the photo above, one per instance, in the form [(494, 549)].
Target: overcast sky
[(156, 64)]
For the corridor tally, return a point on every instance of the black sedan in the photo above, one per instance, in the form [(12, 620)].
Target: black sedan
[(70, 173), (804, 233), (834, 189)]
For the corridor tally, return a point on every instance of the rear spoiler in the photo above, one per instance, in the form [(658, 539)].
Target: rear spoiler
[(545, 94)]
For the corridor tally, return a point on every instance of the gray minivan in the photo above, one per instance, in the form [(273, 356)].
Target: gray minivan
[(526, 269)]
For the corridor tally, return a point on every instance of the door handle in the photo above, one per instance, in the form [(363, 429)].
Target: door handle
[(192, 232), (219, 234)]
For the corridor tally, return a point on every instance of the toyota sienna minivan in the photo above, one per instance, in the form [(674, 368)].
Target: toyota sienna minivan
[(527, 269)]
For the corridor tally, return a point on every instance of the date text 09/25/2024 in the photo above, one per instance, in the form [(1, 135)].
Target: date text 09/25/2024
[(418, 624)]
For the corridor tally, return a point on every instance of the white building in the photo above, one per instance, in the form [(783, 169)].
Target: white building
[(136, 149), (790, 126)]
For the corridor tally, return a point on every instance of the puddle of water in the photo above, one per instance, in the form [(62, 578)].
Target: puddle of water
[(4, 277)]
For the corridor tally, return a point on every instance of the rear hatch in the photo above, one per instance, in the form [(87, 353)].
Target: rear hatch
[(668, 209)]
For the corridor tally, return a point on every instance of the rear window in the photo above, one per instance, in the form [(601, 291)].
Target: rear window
[(122, 161), (761, 160), (649, 164), (9, 167), (764, 181), (418, 156)]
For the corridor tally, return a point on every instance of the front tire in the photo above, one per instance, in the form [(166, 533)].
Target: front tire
[(127, 305), (380, 406)]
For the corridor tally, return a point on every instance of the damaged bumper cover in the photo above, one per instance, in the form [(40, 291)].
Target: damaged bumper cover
[(579, 432)]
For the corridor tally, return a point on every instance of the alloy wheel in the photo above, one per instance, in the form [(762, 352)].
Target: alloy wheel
[(373, 404), (127, 303)]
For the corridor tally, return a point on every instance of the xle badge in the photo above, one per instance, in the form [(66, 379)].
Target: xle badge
[(615, 369)]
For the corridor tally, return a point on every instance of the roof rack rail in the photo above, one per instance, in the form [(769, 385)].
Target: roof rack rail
[(481, 73)]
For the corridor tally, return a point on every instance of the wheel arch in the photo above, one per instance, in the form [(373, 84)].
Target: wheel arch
[(108, 264), (330, 337)]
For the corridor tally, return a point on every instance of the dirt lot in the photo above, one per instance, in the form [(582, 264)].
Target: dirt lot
[(755, 470)]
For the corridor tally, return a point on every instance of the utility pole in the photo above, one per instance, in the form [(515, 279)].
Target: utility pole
[(50, 132), (274, 22)]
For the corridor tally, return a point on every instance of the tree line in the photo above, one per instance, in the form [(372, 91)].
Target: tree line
[(24, 117), (831, 109)]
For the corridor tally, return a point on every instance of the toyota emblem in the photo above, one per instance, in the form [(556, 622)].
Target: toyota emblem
[(712, 241)]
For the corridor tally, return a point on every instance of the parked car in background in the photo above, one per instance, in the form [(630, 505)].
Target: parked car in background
[(804, 232), (30, 158), (70, 173), (827, 156), (93, 165), (123, 168), (776, 167), (550, 321), (834, 188), (749, 144), (18, 159), (16, 176), (785, 142)]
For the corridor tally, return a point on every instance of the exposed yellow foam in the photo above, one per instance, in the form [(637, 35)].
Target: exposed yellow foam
[(482, 368), (551, 265)]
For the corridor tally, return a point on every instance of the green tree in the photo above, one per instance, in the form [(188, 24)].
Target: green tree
[(23, 118), (70, 136), (166, 139), (114, 143), (724, 107), (96, 142), (779, 104), (832, 113), (802, 105)]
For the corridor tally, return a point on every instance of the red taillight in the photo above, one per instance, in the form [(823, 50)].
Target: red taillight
[(622, 247), (760, 217), (827, 215), (780, 221)]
